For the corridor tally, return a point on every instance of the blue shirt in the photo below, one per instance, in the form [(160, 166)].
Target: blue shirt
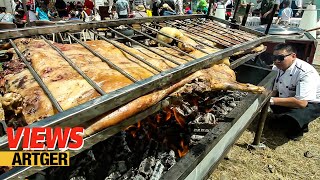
[(42, 15)]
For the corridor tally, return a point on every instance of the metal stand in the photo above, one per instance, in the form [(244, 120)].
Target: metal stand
[(244, 20), (275, 7), (256, 142)]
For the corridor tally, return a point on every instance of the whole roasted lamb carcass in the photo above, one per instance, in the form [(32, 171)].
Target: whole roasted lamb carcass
[(23, 96)]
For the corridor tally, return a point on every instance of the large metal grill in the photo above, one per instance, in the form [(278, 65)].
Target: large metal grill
[(218, 31)]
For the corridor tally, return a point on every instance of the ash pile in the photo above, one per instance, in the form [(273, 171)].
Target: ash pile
[(151, 147)]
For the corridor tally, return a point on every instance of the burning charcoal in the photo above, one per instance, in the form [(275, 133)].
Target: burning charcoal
[(233, 104), (78, 178), (139, 177), (168, 159), (123, 138), (209, 118), (180, 111), (189, 110), (171, 160), (91, 155), (228, 109), (127, 175), (146, 165), (196, 137), (158, 169), (122, 166), (201, 131), (199, 119), (113, 176)]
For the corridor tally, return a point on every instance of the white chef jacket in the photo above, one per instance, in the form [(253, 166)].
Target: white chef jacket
[(300, 80)]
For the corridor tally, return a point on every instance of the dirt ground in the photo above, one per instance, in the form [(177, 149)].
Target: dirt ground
[(281, 159)]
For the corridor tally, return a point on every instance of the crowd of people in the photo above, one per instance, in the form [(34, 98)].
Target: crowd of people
[(44, 10), (285, 11), (77, 10)]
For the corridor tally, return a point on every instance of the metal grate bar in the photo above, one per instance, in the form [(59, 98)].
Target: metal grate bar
[(75, 67), (197, 40), (163, 43), (231, 33), (213, 35), (235, 35), (104, 59), (144, 46), (123, 49), (215, 24), (205, 37), (37, 77), (153, 29), (228, 35)]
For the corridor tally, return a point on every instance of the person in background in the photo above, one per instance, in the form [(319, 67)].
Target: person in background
[(52, 10), (241, 10), (73, 16), (179, 7), (187, 10), (228, 6), (285, 14), (42, 12), (140, 11), (265, 11), (19, 5), (202, 7), (156, 7), (296, 92), (88, 4), (166, 10), (32, 15), (257, 8), (5, 17), (61, 7), (122, 8), (295, 5), (136, 3)]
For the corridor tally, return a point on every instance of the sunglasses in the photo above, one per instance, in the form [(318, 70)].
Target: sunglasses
[(280, 57)]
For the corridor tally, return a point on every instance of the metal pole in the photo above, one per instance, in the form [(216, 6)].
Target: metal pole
[(126, 51), (144, 46), (75, 67), (233, 20), (111, 64), (26, 12), (275, 7), (263, 117), (244, 20), (152, 29), (210, 6), (37, 77)]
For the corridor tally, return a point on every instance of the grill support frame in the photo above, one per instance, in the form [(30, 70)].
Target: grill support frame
[(84, 112)]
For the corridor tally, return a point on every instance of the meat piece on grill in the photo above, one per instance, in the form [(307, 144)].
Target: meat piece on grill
[(70, 89), (217, 77), (186, 44)]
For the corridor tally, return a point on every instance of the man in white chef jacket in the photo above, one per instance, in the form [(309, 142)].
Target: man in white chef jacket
[(296, 100)]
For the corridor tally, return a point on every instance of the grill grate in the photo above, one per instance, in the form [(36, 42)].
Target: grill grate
[(108, 101)]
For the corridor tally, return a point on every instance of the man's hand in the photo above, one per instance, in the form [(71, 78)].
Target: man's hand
[(291, 102), (265, 14)]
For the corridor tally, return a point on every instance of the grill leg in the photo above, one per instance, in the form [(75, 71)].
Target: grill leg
[(263, 117)]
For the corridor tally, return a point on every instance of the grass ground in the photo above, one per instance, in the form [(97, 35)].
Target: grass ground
[(281, 159)]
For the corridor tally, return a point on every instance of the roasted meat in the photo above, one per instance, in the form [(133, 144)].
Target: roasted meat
[(70, 89)]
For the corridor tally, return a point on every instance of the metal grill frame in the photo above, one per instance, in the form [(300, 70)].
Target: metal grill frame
[(91, 109)]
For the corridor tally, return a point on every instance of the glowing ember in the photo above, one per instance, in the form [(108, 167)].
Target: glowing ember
[(179, 118), (184, 150)]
